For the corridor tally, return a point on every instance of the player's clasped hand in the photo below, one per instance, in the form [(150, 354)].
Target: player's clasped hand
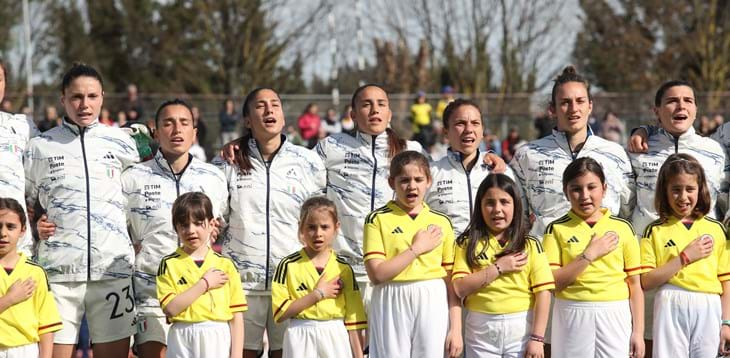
[(330, 288), (599, 247), (426, 240), (512, 263), (20, 291), (215, 278), (699, 248)]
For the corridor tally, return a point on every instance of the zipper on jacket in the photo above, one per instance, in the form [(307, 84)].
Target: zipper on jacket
[(88, 206), (375, 172), (676, 144), (468, 179), (267, 165), (177, 178)]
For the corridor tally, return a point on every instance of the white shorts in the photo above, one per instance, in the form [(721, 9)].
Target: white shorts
[(496, 335), (26, 351), (260, 318), (199, 340), (366, 290), (109, 308), (151, 328), (310, 338), (686, 323), (409, 319), (591, 329)]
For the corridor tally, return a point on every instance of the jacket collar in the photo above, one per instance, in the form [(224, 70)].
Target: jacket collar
[(165, 165), (561, 138), (75, 129), (380, 140), (253, 149)]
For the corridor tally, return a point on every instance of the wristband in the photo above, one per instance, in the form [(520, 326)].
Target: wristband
[(415, 255), (584, 257), (684, 259), (207, 284), (499, 270), (537, 338), (321, 293), (726, 322)]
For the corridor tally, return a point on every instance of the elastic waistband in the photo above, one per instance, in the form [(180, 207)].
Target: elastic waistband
[(420, 283), (501, 317), (679, 290), (293, 323), (200, 325), (591, 305)]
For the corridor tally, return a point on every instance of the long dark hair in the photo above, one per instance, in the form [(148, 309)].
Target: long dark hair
[(396, 144), (478, 229), (681, 163), (243, 155)]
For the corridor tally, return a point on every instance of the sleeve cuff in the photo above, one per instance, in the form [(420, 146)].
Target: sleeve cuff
[(351, 326)]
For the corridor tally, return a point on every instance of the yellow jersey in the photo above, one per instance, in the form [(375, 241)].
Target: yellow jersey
[(510, 292), (296, 276), (389, 231), (421, 115), (604, 279), (178, 272), (25, 322), (663, 241)]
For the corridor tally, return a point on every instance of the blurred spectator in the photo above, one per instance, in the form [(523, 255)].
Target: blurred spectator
[(544, 125), (202, 127), (50, 119), (197, 151), (348, 124), (309, 123), (447, 96), (706, 126), (718, 119), (106, 118), (229, 119), (612, 128), (27, 112), (132, 105), (293, 136), (509, 144), (491, 142), (440, 148), (330, 123), (421, 118), (121, 119), (7, 106)]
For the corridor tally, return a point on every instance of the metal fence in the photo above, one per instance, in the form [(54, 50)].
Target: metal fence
[(501, 112)]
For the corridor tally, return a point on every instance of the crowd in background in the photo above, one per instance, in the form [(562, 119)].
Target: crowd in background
[(425, 124)]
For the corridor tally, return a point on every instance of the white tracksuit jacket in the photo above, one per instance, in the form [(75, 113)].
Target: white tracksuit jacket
[(15, 133), (264, 209), (539, 167), (357, 181), (453, 191), (661, 145), (151, 188), (75, 175)]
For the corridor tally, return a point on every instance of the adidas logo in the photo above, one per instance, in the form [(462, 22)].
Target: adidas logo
[(182, 281), (109, 155), (670, 243), (291, 173), (302, 287), (573, 240), (397, 230), (482, 256)]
